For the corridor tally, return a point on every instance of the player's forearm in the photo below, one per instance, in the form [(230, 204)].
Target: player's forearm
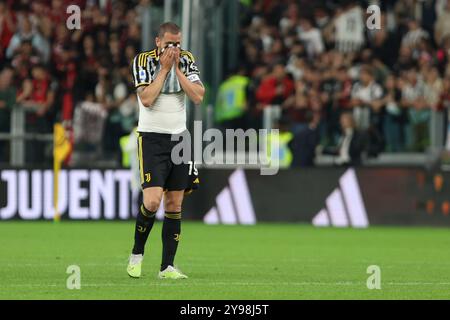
[(149, 93), (195, 91)]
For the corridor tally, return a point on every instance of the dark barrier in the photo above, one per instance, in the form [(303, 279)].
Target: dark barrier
[(322, 196)]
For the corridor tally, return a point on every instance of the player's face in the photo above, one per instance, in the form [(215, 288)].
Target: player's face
[(168, 40)]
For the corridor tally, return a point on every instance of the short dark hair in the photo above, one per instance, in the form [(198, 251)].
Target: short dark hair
[(168, 27)]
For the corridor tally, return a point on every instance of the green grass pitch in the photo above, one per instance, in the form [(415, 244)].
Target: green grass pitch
[(267, 261)]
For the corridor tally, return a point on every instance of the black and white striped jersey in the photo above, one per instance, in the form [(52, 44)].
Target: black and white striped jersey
[(167, 114)]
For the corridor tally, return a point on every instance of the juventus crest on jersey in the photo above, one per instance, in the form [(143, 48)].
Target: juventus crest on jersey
[(168, 112)]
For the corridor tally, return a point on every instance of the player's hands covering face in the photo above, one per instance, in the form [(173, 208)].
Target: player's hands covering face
[(167, 59), (177, 52)]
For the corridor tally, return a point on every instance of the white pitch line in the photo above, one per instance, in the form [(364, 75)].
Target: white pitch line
[(207, 283), (58, 264), (185, 265)]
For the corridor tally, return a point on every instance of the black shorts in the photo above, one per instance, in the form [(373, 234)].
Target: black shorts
[(157, 168)]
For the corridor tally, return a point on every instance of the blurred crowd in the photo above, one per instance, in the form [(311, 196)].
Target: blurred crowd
[(313, 61), (318, 60), (69, 76)]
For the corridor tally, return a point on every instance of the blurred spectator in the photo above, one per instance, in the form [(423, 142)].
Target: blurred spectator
[(433, 87), (125, 99), (365, 98), (276, 87), (305, 142), (7, 101), (385, 46), (442, 26), (281, 150), (297, 62), (65, 72), (349, 28), (351, 145), (405, 59), (88, 66), (26, 33), (7, 27), (88, 128), (37, 96), (394, 120), (297, 106), (231, 105), (311, 37), (445, 96), (414, 35), (413, 98), (254, 112), (405, 10), (336, 87)]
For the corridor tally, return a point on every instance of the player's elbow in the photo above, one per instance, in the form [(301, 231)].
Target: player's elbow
[(146, 101), (198, 99), (144, 97)]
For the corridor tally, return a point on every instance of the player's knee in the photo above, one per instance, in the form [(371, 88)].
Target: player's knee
[(152, 204), (173, 208)]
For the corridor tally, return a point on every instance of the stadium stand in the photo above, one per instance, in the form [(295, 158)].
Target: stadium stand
[(311, 59)]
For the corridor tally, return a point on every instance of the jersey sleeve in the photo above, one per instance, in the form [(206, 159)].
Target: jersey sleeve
[(141, 73), (190, 67)]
